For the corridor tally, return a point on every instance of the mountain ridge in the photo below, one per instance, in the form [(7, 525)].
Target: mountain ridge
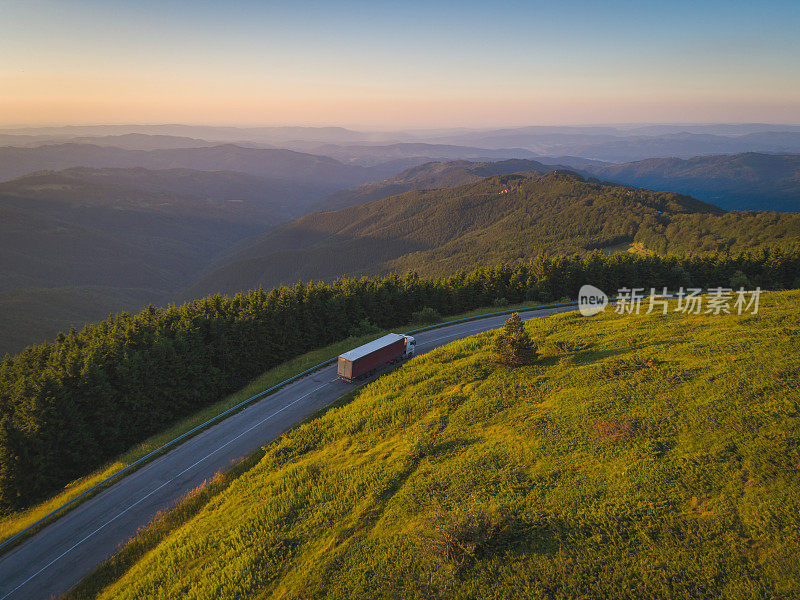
[(497, 219), (263, 162), (746, 181)]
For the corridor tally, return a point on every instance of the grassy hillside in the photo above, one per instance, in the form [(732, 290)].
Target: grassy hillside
[(640, 456), (69, 405), (740, 182), (498, 219)]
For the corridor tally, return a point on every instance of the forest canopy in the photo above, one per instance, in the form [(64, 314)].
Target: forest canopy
[(69, 405)]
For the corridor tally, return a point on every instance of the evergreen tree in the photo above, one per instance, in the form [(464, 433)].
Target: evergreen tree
[(69, 405), (513, 345)]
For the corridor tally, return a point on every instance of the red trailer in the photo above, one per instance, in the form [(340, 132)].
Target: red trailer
[(365, 360)]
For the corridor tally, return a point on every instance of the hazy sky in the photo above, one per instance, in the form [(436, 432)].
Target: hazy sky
[(398, 64)]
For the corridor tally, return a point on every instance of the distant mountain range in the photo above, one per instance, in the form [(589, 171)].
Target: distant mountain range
[(129, 141), (739, 182), (369, 155), (77, 244), (612, 147), (113, 237), (609, 144), (493, 220), (263, 162), (733, 182)]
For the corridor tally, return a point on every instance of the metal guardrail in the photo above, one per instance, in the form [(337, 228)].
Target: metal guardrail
[(243, 403), (494, 314)]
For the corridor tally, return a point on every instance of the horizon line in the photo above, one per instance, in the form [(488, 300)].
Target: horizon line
[(380, 129)]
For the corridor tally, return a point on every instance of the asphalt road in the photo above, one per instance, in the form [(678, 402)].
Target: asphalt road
[(61, 554)]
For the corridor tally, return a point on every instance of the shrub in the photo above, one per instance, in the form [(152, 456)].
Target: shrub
[(513, 345), (740, 280), (364, 327), (426, 315), (461, 536)]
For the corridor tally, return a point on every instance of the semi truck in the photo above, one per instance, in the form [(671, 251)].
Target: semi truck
[(365, 360)]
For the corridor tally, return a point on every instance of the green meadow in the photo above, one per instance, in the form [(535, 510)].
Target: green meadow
[(640, 456), (16, 521)]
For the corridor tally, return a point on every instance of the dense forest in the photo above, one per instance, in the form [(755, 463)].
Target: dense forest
[(676, 234), (69, 405), (500, 219)]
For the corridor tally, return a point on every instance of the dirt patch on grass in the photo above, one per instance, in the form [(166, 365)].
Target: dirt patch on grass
[(610, 431), (622, 366)]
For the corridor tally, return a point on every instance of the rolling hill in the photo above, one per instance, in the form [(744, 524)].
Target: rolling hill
[(748, 181), (368, 155), (78, 227), (497, 219), (37, 315), (429, 176), (70, 405), (619, 145), (240, 195), (263, 162), (628, 461), (132, 235), (740, 182)]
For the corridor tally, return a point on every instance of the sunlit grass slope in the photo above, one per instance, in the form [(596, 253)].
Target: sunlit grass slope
[(15, 522), (640, 457)]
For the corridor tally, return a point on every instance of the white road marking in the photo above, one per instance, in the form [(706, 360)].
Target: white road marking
[(444, 337), (142, 499), (480, 330), (51, 563)]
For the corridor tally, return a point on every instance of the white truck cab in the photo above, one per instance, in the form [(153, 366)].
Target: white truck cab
[(411, 346)]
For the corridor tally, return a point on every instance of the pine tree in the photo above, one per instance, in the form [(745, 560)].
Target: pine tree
[(513, 345)]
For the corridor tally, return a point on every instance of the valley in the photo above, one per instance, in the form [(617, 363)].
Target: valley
[(494, 220), (403, 301)]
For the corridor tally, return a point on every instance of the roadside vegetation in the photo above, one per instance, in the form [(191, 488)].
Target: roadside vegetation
[(513, 345), (637, 456), (70, 406), (15, 522)]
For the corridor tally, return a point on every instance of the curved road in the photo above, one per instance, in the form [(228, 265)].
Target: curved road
[(61, 554)]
